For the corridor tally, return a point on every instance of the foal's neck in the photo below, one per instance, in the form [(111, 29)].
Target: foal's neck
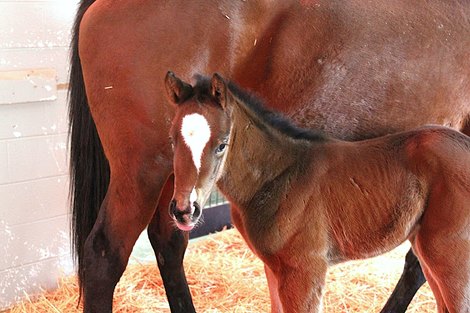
[(261, 162)]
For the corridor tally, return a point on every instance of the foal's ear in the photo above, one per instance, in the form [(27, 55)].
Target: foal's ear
[(177, 90), (219, 90)]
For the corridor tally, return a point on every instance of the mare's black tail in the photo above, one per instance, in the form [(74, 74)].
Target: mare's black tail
[(89, 168)]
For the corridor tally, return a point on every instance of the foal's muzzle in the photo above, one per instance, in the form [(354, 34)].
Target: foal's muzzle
[(186, 218)]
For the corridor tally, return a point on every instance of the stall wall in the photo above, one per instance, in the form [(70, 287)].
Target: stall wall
[(34, 226)]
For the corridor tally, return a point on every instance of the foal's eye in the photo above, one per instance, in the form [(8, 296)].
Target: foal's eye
[(220, 148)]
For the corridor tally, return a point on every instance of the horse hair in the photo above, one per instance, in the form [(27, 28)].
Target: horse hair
[(255, 105), (89, 168)]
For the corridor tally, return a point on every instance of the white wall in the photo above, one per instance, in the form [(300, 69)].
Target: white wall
[(34, 226)]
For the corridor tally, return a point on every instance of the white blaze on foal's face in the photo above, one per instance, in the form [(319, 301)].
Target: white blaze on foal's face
[(196, 134)]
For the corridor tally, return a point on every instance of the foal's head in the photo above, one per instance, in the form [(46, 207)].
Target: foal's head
[(199, 134)]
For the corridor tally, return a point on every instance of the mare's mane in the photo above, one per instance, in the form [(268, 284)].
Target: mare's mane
[(254, 105)]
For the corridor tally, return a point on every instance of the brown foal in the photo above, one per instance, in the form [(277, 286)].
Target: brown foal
[(304, 201)]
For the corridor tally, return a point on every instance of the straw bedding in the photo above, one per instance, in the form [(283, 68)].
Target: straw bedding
[(224, 276)]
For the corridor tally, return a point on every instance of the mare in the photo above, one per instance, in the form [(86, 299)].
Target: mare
[(355, 69), (303, 200)]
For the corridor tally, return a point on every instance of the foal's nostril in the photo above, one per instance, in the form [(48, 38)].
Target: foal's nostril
[(197, 209), (177, 213), (172, 208)]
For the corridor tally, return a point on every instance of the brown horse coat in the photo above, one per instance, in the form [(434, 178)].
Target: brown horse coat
[(304, 201), (354, 69)]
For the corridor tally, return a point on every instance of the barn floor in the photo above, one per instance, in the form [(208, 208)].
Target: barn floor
[(224, 276)]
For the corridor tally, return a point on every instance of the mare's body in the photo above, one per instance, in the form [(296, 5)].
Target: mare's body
[(304, 201), (355, 69)]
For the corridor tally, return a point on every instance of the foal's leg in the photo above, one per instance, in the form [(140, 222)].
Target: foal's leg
[(447, 268), (127, 209), (412, 277), (273, 285), (301, 287), (443, 245), (169, 245), (410, 281), (447, 271), (441, 306)]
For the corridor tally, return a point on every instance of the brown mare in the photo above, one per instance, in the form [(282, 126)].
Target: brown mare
[(354, 69), (304, 201)]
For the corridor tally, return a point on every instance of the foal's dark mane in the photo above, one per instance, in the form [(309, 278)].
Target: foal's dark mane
[(202, 91)]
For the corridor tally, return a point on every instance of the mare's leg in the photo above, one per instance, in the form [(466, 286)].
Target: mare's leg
[(169, 245), (410, 281), (127, 209)]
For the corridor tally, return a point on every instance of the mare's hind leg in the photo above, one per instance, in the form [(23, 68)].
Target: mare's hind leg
[(169, 245), (410, 281), (127, 209)]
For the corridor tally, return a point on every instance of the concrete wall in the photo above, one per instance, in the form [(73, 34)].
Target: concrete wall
[(34, 243)]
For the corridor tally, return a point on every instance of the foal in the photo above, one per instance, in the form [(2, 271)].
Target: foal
[(304, 201)]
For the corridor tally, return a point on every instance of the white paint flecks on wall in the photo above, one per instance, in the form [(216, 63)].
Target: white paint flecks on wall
[(23, 120), (28, 86), (34, 210)]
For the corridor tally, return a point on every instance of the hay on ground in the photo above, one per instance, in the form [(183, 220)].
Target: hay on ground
[(224, 276)]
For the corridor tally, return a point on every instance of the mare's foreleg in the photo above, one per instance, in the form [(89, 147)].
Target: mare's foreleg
[(127, 209), (169, 245), (410, 281)]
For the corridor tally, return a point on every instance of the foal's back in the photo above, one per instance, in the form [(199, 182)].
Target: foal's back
[(375, 193), (414, 185)]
